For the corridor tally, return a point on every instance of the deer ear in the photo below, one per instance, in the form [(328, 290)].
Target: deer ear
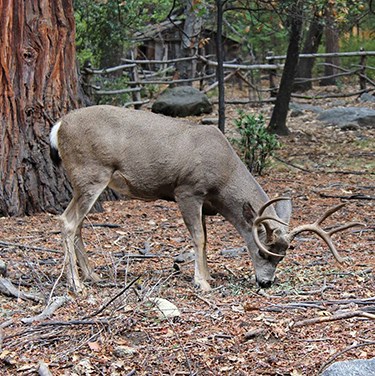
[(248, 212), (284, 210)]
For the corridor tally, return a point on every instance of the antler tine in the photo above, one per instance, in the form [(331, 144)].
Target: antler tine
[(329, 212), (260, 218), (345, 227), (270, 202), (260, 245), (325, 235)]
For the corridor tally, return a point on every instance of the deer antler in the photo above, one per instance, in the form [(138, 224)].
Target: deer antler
[(260, 218), (314, 227), (325, 235)]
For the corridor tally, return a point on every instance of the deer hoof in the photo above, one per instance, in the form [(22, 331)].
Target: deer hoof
[(202, 285), (77, 288), (92, 277)]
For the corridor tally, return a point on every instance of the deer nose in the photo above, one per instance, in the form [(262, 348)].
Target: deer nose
[(264, 284)]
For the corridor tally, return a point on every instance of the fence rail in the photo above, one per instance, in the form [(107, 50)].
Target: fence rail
[(163, 72)]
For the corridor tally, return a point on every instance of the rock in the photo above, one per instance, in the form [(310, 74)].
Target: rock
[(210, 121), (233, 252), (3, 268), (349, 116), (165, 308), (186, 256), (300, 107), (124, 351), (351, 368), (366, 97), (182, 101)]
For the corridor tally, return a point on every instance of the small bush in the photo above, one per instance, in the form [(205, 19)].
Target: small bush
[(255, 144)]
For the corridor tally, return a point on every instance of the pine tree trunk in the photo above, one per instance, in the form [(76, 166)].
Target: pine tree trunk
[(277, 123), (310, 46), (332, 45), (38, 77), (189, 41)]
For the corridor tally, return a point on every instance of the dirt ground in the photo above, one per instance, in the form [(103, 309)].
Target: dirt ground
[(317, 312)]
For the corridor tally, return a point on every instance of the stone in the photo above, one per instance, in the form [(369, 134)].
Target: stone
[(210, 121), (359, 367), (347, 117), (300, 107), (367, 97), (182, 101)]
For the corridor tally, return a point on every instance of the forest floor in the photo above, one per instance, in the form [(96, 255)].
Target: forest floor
[(236, 329)]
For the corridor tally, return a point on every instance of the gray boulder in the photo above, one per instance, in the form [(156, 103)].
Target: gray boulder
[(367, 97), (351, 368), (182, 101), (301, 107), (349, 117)]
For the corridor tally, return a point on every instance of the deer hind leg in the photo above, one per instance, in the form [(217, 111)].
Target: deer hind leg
[(72, 219), (83, 261), (191, 210)]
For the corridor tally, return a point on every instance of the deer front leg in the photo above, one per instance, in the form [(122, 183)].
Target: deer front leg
[(191, 210)]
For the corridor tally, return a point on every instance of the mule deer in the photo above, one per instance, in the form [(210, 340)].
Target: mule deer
[(147, 156)]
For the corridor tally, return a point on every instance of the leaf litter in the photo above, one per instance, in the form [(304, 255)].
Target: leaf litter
[(317, 310)]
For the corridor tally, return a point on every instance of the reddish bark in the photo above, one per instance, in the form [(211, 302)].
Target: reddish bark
[(38, 77)]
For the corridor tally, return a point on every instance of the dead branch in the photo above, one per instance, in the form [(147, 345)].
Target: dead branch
[(254, 333), (7, 288), (25, 246), (75, 322), (331, 95), (2, 327), (114, 298), (291, 164), (329, 54), (339, 316), (55, 304), (216, 83), (351, 197)]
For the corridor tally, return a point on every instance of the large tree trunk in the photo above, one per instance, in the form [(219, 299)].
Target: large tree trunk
[(38, 78), (189, 40), (220, 62), (310, 46), (280, 111), (332, 45)]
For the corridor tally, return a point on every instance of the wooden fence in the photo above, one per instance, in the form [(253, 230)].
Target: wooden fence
[(261, 79)]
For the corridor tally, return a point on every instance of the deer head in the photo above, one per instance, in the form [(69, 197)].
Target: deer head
[(275, 240)]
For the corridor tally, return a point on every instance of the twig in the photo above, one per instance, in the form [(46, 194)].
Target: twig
[(2, 327), (351, 347), (18, 245), (340, 316), (114, 298), (254, 333), (48, 311), (351, 197), (206, 301), (7, 288), (75, 322), (291, 164)]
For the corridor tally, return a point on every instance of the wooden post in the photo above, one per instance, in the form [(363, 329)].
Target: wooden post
[(362, 70), (136, 95), (272, 76)]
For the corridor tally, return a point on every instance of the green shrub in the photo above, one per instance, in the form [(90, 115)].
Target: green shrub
[(255, 145)]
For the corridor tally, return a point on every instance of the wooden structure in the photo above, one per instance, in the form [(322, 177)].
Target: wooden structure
[(163, 42)]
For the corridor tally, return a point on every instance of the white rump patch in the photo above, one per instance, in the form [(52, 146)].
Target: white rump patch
[(53, 135)]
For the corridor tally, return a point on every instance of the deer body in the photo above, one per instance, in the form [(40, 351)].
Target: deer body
[(147, 156)]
